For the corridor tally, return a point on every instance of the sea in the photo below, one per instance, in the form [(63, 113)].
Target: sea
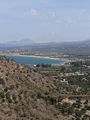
[(34, 60)]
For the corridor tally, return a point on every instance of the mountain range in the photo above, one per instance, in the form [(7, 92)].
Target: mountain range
[(19, 43)]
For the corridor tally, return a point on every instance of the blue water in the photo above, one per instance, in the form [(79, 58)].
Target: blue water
[(34, 60)]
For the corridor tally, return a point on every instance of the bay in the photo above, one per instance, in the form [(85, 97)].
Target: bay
[(34, 60)]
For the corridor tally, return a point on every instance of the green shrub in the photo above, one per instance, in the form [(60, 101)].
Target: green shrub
[(52, 101), (14, 97), (66, 108), (8, 97)]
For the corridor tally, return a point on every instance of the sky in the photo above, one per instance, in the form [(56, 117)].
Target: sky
[(44, 20)]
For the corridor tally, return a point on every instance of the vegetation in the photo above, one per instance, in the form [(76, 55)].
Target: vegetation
[(45, 92)]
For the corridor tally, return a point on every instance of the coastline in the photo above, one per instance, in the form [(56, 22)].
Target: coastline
[(42, 57)]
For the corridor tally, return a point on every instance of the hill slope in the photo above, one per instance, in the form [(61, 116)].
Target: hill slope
[(25, 94)]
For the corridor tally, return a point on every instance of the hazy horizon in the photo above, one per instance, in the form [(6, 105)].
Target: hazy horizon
[(44, 20), (39, 42)]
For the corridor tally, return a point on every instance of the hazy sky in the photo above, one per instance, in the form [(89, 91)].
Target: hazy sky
[(44, 20)]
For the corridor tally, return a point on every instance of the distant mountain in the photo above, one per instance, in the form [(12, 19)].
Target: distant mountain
[(20, 43)]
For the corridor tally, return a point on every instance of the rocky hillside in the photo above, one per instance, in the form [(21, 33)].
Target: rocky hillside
[(25, 94)]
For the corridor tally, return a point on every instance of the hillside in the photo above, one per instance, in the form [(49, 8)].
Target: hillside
[(21, 89)]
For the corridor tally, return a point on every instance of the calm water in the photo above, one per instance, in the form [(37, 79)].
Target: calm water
[(35, 60)]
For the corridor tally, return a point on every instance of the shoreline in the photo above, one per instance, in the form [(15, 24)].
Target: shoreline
[(35, 56)]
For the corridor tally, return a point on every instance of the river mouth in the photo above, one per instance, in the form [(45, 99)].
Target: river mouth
[(34, 60)]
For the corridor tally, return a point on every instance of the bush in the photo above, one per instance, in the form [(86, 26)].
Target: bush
[(6, 89), (52, 101), (66, 108), (78, 113), (88, 108), (71, 110), (2, 82), (8, 97), (14, 97), (2, 95), (12, 87), (39, 96)]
